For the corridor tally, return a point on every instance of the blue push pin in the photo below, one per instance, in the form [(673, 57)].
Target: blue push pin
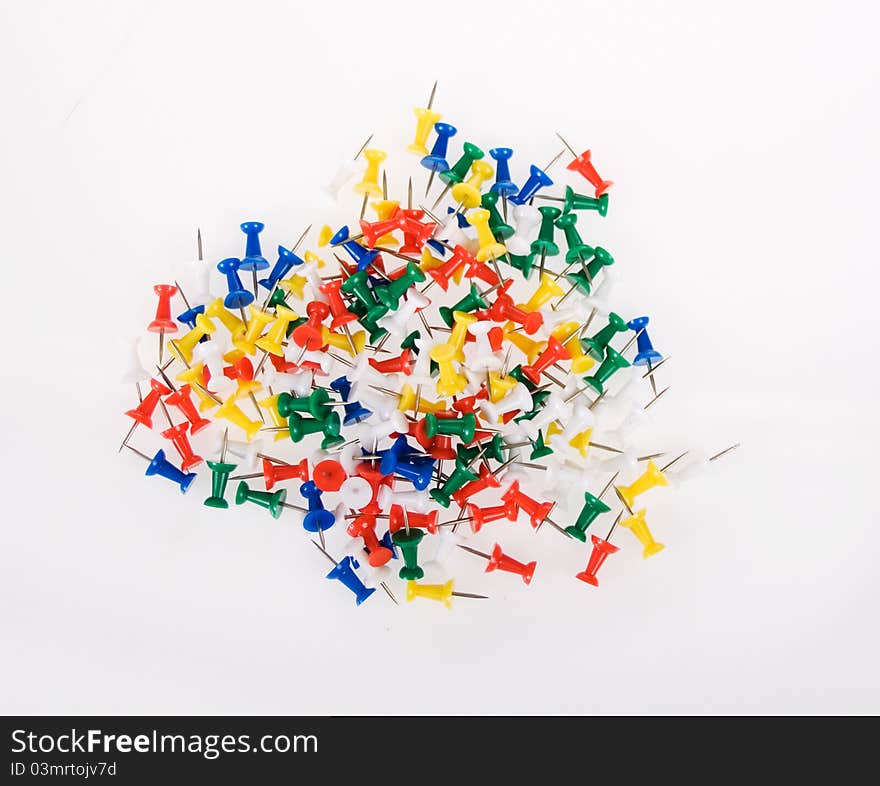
[(463, 223), (538, 179), (317, 519), (647, 354), (503, 185), (253, 253), (436, 159), (238, 296), (285, 263), (419, 471), (188, 318), (159, 465), (355, 412), (343, 572), (362, 257), (389, 544)]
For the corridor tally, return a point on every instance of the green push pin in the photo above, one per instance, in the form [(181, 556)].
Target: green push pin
[(277, 298), (410, 342), (517, 373), (596, 344), (601, 258), (220, 472), (522, 263), (544, 245), (454, 482), (613, 362), (467, 455), (577, 249), (315, 404), (470, 302), (573, 201), (408, 543), (540, 449), (458, 172), (499, 228), (298, 426), (358, 286), (494, 449), (272, 501), (390, 294), (463, 427), (593, 507)]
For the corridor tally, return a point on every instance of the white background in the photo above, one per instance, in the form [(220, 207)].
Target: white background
[(743, 145)]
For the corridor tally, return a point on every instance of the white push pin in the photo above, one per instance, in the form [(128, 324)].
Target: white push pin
[(355, 492), (481, 357), (135, 371), (344, 173), (554, 408), (396, 322), (527, 220), (446, 541), (418, 501), (517, 398)]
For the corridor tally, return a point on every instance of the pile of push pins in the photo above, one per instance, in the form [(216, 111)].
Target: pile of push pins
[(385, 409)]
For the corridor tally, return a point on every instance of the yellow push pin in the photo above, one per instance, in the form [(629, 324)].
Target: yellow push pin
[(651, 477), (340, 341), (439, 592), (580, 362), (385, 208), (639, 528), (547, 290), (553, 428), (182, 348), (530, 348), (311, 256), (581, 442), (370, 184), (459, 332), (500, 386), (216, 310), (271, 342), (248, 342), (324, 235), (489, 247), (295, 285), (451, 383), (194, 377), (467, 193), (425, 119), (270, 404), (230, 411), (407, 401)]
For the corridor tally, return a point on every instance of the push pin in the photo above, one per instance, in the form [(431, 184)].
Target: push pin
[(220, 472), (639, 527), (343, 572), (457, 173), (498, 560), (271, 501), (651, 477), (253, 259), (159, 465), (602, 549), (425, 119), (443, 593), (583, 164), (436, 160), (163, 323)]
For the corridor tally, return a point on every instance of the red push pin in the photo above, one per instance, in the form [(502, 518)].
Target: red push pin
[(483, 272), (372, 231), (177, 436), (498, 560), (441, 275), (602, 548), (503, 309), (537, 511), (364, 527), (163, 323), (485, 480), (482, 516), (274, 473), (329, 475), (398, 518), (402, 364), (182, 399), (583, 164), (143, 412), (415, 232), (341, 315), (309, 336), (376, 480), (554, 353)]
